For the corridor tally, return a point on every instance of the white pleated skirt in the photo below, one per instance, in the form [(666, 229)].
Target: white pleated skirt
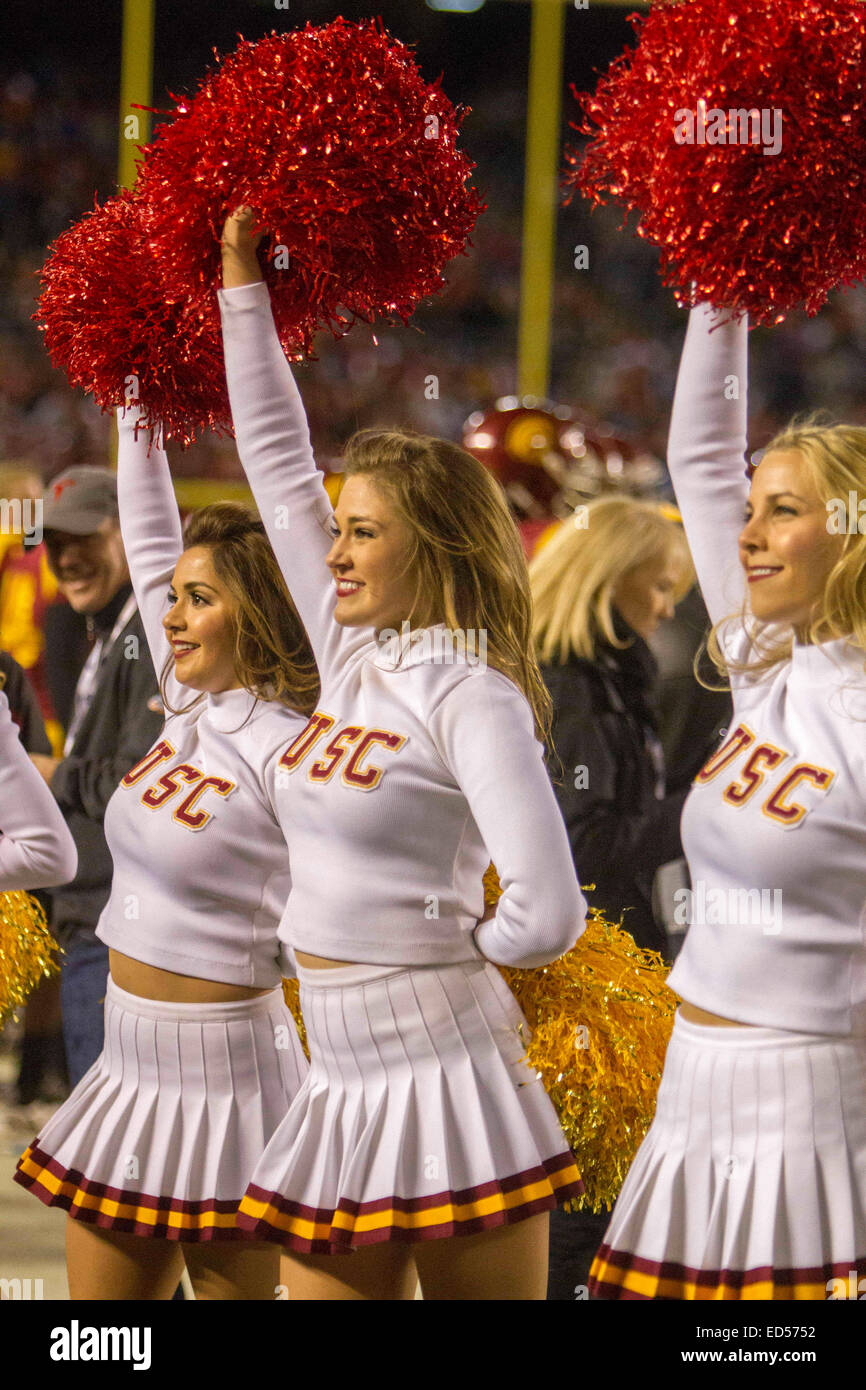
[(419, 1117), (751, 1182), (161, 1136)]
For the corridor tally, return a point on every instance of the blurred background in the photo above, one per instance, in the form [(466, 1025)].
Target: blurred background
[(616, 332)]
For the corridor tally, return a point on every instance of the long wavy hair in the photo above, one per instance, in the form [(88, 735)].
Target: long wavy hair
[(272, 654), (465, 550), (835, 461), (574, 575)]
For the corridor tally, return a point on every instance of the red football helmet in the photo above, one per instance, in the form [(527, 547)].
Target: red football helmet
[(549, 458)]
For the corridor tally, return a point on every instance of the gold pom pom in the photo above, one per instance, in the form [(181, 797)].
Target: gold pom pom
[(601, 1018), (291, 994), (27, 951)]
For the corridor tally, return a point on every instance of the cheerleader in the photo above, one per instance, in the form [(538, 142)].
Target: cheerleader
[(751, 1183), (419, 1120), (151, 1153), (36, 848)]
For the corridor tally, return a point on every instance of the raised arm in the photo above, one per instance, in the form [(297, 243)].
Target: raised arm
[(706, 453), (152, 536), (36, 848), (483, 730), (274, 447)]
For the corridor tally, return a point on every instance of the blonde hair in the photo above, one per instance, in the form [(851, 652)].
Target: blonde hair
[(574, 576), (272, 654), (835, 462), (465, 550)]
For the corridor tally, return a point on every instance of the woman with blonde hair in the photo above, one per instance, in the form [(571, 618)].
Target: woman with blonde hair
[(600, 587), (151, 1153), (751, 1183), (422, 1144)]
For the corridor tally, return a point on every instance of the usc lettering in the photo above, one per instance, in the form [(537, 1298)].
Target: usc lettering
[(775, 807), (166, 787), (184, 813), (157, 755), (763, 758), (321, 772), (738, 793), (732, 746), (352, 774)]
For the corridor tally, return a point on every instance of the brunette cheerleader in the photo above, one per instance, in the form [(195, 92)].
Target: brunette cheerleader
[(151, 1153)]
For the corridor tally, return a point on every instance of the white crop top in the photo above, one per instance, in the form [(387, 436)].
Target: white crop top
[(201, 868), (413, 773), (774, 828), (36, 848)]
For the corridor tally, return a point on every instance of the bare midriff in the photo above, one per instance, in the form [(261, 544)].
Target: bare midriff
[(692, 1014), (320, 962), (149, 982)]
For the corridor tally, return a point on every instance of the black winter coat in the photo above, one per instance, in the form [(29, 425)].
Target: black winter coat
[(605, 734)]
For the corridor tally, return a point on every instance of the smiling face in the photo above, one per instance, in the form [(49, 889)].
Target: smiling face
[(644, 595), (89, 569), (200, 624), (369, 558), (785, 548)]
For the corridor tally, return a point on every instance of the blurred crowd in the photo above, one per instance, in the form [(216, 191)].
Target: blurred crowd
[(616, 331)]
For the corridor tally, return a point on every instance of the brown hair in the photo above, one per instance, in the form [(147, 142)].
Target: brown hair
[(273, 657), (465, 551)]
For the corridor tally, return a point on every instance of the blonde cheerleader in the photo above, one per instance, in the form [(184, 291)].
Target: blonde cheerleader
[(751, 1183)]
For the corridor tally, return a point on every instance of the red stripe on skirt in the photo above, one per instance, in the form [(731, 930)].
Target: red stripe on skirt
[(669, 1270), (141, 1200)]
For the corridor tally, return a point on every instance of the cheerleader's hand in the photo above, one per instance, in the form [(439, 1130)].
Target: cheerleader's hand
[(240, 239)]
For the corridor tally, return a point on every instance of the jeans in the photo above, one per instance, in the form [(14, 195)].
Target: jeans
[(83, 979)]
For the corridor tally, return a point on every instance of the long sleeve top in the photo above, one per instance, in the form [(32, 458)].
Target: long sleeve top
[(201, 867), (774, 828), (415, 771), (36, 848)]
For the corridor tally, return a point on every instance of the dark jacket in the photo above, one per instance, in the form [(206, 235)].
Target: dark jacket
[(691, 717), (23, 705), (605, 733), (115, 733)]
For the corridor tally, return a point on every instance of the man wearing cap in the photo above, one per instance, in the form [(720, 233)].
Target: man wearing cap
[(116, 717)]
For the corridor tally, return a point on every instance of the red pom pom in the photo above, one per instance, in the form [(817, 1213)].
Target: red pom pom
[(742, 225), (348, 156), (109, 325)]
